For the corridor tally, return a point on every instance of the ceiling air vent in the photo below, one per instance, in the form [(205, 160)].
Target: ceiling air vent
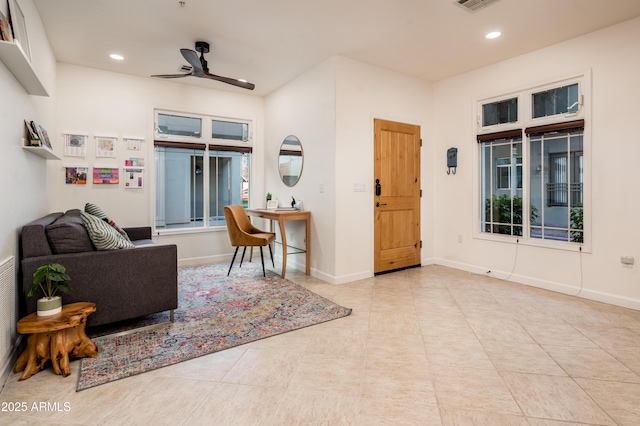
[(473, 5)]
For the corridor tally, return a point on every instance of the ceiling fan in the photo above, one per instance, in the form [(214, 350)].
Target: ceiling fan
[(200, 68)]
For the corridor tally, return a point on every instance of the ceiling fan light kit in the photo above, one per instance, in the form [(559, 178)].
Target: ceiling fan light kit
[(200, 68)]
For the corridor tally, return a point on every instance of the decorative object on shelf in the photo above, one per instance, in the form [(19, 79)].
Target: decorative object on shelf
[(6, 33), (44, 136), (51, 278), (75, 145), (34, 139), (19, 28), (272, 204), (106, 175), (106, 146), (76, 175)]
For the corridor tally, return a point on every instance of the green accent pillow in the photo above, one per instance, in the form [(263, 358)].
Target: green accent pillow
[(103, 236)]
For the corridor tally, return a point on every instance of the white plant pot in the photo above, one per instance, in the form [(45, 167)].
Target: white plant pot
[(49, 306)]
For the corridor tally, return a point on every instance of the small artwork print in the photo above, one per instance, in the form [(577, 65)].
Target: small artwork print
[(133, 177), (133, 144), (105, 175), (75, 145), (106, 147), (76, 175)]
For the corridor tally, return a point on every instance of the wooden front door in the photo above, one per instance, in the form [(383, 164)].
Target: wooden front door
[(396, 195)]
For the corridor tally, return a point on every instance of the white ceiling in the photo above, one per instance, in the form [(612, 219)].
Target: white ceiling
[(269, 42)]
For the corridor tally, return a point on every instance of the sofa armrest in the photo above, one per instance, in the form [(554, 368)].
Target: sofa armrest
[(138, 233)]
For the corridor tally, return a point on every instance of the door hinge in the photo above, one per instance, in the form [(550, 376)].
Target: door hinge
[(420, 243), (420, 141), (421, 193)]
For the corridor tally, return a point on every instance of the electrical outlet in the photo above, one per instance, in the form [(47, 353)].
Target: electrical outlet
[(627, 260)]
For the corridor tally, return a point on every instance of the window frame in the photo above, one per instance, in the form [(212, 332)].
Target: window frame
[(211, 144), (526, 120)]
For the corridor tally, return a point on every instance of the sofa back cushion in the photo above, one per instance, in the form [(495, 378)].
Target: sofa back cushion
[(68, 235), (34, 237)]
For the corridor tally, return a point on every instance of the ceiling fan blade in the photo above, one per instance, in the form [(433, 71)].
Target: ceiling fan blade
[(232, 81), (192, 57), (172, 75)]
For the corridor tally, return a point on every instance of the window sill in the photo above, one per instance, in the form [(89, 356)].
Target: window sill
[(187, 231), (533, 242)]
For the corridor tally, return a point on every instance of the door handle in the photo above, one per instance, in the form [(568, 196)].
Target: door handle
[(380, 205), (378, 187)]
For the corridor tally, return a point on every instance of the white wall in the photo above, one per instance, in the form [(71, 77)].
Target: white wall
[(100, 103), (305, 107), (26, 193), (613, 56), (365, 92), (331, 108)]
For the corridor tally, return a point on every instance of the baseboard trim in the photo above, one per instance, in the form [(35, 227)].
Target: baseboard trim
[(569, 290), (7, 368)]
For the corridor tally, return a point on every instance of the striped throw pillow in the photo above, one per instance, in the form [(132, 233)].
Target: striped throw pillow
[(99, 213), (103, 235)]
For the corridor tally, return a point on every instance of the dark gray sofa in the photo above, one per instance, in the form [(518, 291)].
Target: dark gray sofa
[(124, 284)]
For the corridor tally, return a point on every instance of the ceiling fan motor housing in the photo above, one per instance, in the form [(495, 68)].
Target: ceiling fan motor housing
[(202, 47)]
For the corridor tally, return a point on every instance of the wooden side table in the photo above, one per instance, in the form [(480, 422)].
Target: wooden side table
[(56, 338)]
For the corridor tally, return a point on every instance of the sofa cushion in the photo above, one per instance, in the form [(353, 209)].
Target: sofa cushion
[(103, 235), (68, 235), (99, 213)]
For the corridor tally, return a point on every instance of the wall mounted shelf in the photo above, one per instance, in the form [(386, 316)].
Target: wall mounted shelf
[(43, 151), (16, 61)]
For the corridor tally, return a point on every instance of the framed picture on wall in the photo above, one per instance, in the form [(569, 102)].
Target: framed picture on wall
[(19, 27)]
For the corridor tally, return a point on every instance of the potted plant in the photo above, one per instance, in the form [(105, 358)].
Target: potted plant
[(50, 278)]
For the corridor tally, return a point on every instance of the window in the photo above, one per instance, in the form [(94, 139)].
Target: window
[(500, 112), (532, 179), (502, 191), (195, 180), (557, 185), (561, 100)]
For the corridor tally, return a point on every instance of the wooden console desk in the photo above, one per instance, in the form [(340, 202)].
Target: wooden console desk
[(281, 216)]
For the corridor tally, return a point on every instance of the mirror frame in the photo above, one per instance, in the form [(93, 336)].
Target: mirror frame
[(290, 153)]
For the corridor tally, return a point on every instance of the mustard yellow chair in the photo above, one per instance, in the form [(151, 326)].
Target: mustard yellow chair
[(243, 233)]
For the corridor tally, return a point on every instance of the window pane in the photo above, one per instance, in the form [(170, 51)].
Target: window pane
[(179, 188), (501, 188), (179, 126), (561, 100), (500, 112), (556, 176), (229, 130), (228, 183)]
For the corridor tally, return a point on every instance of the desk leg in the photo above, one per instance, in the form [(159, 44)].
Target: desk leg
[(283, 235), (308, 248)]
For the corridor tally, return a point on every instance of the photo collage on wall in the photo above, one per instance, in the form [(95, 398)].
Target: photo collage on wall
[(77, 144)]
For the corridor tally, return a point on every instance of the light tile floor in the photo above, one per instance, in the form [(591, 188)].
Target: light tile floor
[(425, 346)]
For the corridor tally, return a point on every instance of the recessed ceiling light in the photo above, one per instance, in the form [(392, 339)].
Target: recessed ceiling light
[(493, 34), (116, 57)]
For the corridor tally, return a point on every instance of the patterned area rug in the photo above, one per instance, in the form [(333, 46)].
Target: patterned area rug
[(215, 312)]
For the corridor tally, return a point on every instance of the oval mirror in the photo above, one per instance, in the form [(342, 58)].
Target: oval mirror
[(290, 160)]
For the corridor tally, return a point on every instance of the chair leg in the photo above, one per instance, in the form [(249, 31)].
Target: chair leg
[(242, 258), (264, 273), (271, 254), (232, 260)]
